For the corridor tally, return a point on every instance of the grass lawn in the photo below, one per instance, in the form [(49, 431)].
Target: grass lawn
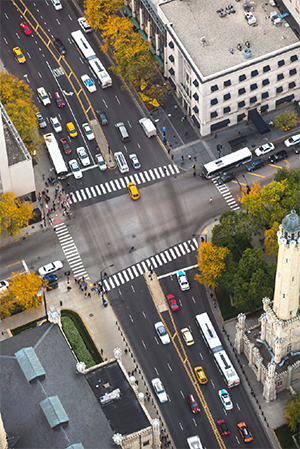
[(226, 308), (284, 436)]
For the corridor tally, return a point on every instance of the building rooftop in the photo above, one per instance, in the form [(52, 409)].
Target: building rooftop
[(208, 38), (20, 401), (125, 414)]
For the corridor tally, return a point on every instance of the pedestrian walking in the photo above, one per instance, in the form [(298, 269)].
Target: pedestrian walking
[(75, 280), (182, 158), (68, 184), (182, 119), (172, 157), (85, 295), (85, 288), (89, 295), (194, 174), (165, 170), (43, 176), (190, 157), (210, 200)]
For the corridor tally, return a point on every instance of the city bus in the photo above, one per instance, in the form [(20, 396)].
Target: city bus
[(94, 62), (221, 358), (56, 156), (227, 162)]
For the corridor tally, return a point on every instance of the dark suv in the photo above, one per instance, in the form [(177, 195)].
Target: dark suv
[(278, 156), (226, 177), (254, 165), (59, 46)]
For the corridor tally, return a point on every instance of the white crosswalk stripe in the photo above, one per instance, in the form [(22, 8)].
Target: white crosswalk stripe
[(140, 268), (121, 183), (70, 250), (225, 192)]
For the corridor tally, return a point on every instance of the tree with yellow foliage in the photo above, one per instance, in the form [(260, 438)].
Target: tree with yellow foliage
[(286, 120), (14, 214), (24, 291), (99, 13), (211, 263)]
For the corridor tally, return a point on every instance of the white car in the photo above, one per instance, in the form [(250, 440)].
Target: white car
[(135, 162), (89, 84), (74, 166), (57, 4), (187, 336), (50, 268), (101, 162), (88, 132), (225, 399), (292, 140), (83, 156), (3, 285), (43, 96), (159, 390), (56, 124), (182, 280), (162, 333), (84, 25), (264, 149)]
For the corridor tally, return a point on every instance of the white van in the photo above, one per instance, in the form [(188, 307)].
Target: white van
[(121, 162), (148, 127)]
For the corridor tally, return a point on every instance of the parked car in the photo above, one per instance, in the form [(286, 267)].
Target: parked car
[(254, 165), (134, 161), (41, 121), (278, 156), (89, 84), (225, 399), (102, 117), (83, 156), (52, 281), (226, 177), (159, 390), (50, 268), (101, 162), (88, 132), (65, 145), (74, 166), (245, 432), (25, 28), (162, 333), (59, 46), (193, 403), (84, 25), (59, 100), (172, 303), (264, 149)]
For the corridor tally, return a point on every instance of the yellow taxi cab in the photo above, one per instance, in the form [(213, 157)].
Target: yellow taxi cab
[(71, 129), (133, 191), (200, 374), (19, 55)]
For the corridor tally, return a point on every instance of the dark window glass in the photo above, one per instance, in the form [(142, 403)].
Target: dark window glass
[(294, 58), (266, 69), (214, 114), (171, 58), (196, 96), (240, 117), (241, 104), (264, 108), (293, 72), (242, 77), (291, 85), (213, 101), (280, 76), (265, 82), (171, 45), (279, 90), (227, 83), (253, 86), (242, 91), (226, 110), (254, 73), (253, 100), (195, 82), (214, 88), (227, 97), (281, 63), (265, 95)]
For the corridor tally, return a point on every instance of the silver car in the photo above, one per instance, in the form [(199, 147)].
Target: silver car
[(74, 166), (135, 162), (101, 162), (56, 124), (159, 390)]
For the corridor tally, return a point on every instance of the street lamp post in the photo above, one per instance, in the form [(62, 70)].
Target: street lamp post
[(44, 299), (101, 283), (247, 186)]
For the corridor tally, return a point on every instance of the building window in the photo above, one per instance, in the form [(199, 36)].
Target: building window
[(242, 91), (195, 109), (242, 77), (214, 88), (292, 85), (264, 108), (214, 114), (171, 58), (146, 443), (293, 279), (171, 70), (265, 82), (294, 58), (240, 117), (293, 72), (279, 90), (253, 100), (280, 76), (266, 68), (241, 104), (265, 95), (195, 82), (279, 383), (289, 347), (171, 45), (227, 97), (254, 73), (213, 101), (227, 83), (226, 110), (196, 96), (281, 63), (253, 86)]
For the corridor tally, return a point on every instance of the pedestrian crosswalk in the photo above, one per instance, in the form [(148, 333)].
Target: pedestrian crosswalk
[(121, 183), (156, 261), (70, 250), (225, 192)]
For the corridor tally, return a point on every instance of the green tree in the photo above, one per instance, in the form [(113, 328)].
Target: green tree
[(292, 407), (211, 263), (14, 214), (253, 280), (286, 120)]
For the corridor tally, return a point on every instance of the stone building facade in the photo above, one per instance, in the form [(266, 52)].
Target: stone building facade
[(272, 347)]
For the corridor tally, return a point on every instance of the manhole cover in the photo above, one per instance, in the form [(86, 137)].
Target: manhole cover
[(91, 315)]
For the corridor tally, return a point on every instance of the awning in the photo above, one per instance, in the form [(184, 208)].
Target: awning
[(285, 99), (219, 125), (237, 141), (258, 121)]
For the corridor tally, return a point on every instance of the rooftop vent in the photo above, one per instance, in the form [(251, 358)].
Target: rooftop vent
[(203, 41), (248, 53)]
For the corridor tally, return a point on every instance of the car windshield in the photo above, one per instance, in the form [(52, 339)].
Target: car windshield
[(161, 330)]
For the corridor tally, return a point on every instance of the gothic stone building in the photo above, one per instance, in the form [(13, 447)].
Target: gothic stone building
[(272, 347)]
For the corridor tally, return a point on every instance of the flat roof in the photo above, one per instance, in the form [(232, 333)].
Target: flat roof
[(208, 38), (125, 414), (21, 413)]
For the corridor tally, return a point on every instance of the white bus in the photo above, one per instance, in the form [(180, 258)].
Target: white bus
[(222, 360), (227, 162), (56, 156), (95, 64)]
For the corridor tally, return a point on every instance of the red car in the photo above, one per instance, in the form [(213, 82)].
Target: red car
[(59, 101), (223, 428), (193, 403), (25, 28), (172, 303), (65, 145)]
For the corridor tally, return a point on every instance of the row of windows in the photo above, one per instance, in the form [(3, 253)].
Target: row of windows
[(242, 104), (255, 72), (243, 91)]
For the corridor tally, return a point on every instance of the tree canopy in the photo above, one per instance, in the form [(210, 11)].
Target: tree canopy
[(292, 407), (286, 120), (211, 263), (14, 214)]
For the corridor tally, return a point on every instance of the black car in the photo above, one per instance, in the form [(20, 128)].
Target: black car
[(102, 117), (278, 156), (226, 177), (52, 281), (254, 165), (59, 46)]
